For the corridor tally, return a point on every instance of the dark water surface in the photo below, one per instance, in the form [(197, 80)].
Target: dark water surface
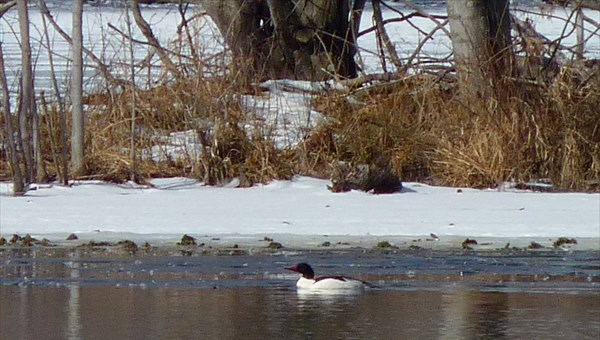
[(101, 312), (71, 294)]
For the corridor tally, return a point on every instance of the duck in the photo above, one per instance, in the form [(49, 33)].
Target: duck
[(325, 283)]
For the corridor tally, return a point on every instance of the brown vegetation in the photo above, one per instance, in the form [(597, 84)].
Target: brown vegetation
[(417, 128), (426, 132)]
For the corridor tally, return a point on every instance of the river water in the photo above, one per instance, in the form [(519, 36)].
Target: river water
[(74, 294), (102, 312)]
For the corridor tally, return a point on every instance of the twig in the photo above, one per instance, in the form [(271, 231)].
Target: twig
[(423, 41), (425, 14), (526, 28), (50, 127), (186, 29), (145, 43)]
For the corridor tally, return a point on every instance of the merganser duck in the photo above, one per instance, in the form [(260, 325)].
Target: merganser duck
[(309, 282)]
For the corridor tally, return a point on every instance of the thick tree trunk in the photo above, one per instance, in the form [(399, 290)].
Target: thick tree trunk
[(78, 129), (480, 33), (302, 39), (28, 114)]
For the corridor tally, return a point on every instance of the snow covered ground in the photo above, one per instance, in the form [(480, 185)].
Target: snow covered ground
[(299, 212)]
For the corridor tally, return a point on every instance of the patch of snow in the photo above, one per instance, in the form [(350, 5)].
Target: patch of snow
[(176, 146), (303, 206)]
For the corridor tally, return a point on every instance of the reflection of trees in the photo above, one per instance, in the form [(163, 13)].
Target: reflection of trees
[(372, 315), (469, 314), (490, 314), (73, 308), (94, 311)]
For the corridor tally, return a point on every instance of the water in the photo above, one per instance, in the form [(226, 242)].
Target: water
[(82, 294), (101, 312)]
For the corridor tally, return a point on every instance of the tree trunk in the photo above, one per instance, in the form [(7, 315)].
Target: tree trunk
[(132, 138), (303, 39), (27, 93), (78, 129), (40, 166), (480, 32), (580, 34), (18, 188)]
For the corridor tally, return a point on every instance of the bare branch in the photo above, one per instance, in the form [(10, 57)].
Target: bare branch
[(378, 17), (591, 4), (147, 32), (424, 40), (101, 66), (6, 7)]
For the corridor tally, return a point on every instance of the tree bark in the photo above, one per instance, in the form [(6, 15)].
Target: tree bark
[(27, 92), (301, 39), (133, 103), (78, 128), (480, 32)]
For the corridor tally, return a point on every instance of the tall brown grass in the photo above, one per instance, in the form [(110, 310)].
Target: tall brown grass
[(209, 110), (522, 133), (419, 127)]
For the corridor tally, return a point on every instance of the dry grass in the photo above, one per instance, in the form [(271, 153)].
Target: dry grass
[(428, 134), (419, 128), (207, 111)]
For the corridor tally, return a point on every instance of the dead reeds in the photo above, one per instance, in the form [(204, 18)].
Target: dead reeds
[(419, 127), (429, 134)]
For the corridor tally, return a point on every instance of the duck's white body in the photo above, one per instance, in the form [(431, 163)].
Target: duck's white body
[(308, 282), (330, 283)]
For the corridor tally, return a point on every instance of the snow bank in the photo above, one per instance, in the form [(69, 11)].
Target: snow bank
[(302, 206)]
